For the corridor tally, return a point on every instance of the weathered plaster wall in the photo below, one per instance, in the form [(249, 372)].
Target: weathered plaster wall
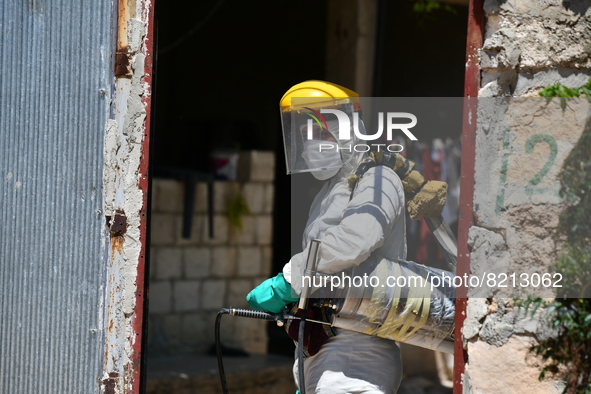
[(520, 147), (531, 44), (124, 204)]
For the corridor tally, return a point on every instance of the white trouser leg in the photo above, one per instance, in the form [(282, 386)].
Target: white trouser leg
[(353, 363)]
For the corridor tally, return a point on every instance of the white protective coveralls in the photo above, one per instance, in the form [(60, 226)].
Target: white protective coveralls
[(372, 223)]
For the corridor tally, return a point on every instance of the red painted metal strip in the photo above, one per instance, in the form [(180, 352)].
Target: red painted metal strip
[(473, 46), (466, 219), (144, 184)]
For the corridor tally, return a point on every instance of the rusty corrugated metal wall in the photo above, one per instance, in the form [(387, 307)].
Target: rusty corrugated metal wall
[(55, 85)]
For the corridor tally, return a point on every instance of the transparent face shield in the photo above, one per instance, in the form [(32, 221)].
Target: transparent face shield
[(318, 137)]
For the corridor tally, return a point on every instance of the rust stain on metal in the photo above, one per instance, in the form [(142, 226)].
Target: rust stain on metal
[(122, 56), (117, 244), (123, 16), (118, 224), (123, 63), (111, 383)]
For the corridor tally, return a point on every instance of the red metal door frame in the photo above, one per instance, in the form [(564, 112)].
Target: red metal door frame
[(141, 306), (136, 379), (466, 218)]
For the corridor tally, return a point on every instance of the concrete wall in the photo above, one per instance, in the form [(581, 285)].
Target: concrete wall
[(530, 44), (192, 279), (515, 220), (520, 147)]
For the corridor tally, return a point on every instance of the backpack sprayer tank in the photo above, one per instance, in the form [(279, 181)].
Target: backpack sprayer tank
[(403, 301)]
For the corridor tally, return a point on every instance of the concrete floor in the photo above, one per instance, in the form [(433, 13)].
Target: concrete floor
[(255, 374), (196, 373), (175, 366)]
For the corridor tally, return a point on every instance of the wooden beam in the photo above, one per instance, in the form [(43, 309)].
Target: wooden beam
[(350, 38)]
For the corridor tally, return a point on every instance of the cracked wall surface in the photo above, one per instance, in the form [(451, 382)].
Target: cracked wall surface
[(522, 141), (124, 209), (531, 44), (520, 147)]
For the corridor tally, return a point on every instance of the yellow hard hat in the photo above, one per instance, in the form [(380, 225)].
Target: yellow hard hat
[(313, 93)]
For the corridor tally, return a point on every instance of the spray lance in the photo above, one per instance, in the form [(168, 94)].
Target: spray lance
[(278, 317)]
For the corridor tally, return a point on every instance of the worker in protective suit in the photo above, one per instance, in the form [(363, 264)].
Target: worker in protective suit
[(351, 224)]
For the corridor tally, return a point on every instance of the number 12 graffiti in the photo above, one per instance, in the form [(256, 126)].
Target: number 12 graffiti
[(529, 149)]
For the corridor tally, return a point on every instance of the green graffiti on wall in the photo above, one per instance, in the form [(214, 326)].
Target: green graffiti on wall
[(532, 185), (529, 148)]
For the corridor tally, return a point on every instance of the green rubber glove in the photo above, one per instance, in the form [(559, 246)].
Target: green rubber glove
[(271, 295)]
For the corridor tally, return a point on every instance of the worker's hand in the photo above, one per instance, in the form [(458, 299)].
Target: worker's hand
[(429, 201), (271, 295)]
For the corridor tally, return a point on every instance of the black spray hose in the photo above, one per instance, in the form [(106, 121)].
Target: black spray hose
[(218, 345), (301, 352)]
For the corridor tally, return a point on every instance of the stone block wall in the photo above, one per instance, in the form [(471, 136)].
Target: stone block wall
[(520, 148), (191, 279)]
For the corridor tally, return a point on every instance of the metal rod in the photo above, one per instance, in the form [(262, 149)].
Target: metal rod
[(310, 268), (290, 317)]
